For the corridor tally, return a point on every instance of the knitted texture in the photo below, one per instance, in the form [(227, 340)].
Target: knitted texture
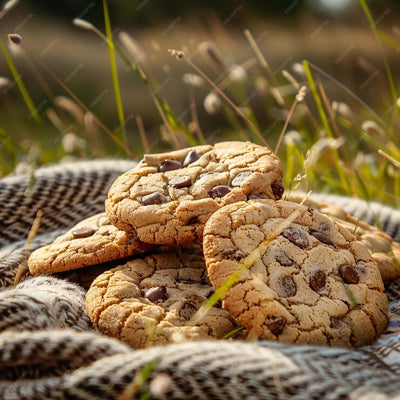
[(48, 349)]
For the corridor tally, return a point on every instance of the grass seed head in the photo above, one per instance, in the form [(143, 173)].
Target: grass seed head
[(212, 103), (55, 119), (237, 73), (289, 77), (261, 85), (343, 109), (7, 7), (301, 94), (4, 82), (70, 106), (180, 55), (292, 138), (133, 47), (72, 143), (81, 23), (15, 38), (211, 53), (372, 128), (277, 96), (193, 80), (298, 69)]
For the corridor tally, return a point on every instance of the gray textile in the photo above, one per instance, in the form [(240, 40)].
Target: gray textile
[(48, 349)]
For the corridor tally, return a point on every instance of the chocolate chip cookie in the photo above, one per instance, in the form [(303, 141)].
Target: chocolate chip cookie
[(168, 197), (153, 300), (92, 241), (385, 251), (293, 275)]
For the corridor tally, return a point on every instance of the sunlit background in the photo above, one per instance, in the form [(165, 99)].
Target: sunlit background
[(334, 36)]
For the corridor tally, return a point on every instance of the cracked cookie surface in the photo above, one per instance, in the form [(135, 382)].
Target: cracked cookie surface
[(168, 197), (92, 241), (153, 300), (293, 275), (384, 250)]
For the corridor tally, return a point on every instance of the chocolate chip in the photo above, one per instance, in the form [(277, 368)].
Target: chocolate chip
[(276, 324), (169, 165), (181, 181), (283, 259), (296, 236), (233, 254), (317, 279), (277, 189), (322, 237), (156, 294), (190, 158), (187, 311), (83, 233), (240, 178), (219, 191), (288, 285), (348, 274), (154, 198)]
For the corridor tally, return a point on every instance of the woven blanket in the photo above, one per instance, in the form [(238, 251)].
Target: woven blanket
[(48, 349)]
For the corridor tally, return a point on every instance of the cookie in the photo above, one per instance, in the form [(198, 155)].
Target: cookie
[(168, 197), (385, 251), (293, 275), (92, 241), (153, 300)]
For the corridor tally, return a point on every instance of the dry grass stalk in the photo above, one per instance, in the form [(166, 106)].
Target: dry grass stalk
[(299, 98), (260, 56), (55, 119), (70, 107), (390, 158), (7, 7), (291, 79), (89, 123), (180, 55), (142, 132)]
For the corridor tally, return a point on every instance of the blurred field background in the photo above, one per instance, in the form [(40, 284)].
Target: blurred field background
[(332, 146)]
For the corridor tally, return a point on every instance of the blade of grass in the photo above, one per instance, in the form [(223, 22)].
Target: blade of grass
[(139, 385), (163, 108), (21, 86), (78, 101), (114, 72), (6, 166), (387, 39), (389, 75), (317, 99), (232, 332), (346, 90), (326, 126)]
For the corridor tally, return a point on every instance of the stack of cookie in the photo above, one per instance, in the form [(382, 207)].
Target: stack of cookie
[(202, 246)]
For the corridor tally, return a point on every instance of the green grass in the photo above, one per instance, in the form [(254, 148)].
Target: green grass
[(110, 44), (20, 83)]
